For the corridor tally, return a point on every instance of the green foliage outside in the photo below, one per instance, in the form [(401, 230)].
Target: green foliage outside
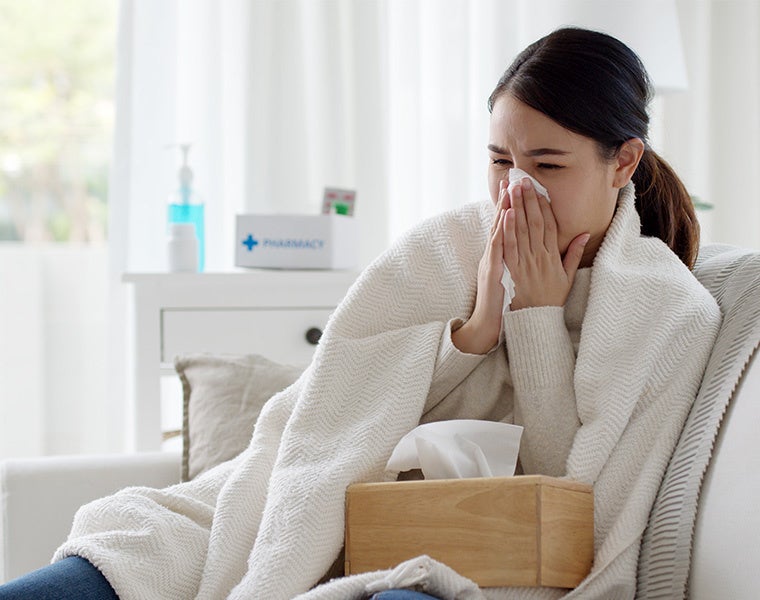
[(57, 63)]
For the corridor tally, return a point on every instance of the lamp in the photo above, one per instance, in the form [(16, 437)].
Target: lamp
[(649, 27)]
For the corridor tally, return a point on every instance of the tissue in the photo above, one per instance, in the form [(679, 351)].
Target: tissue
[(515, 178), (517, 175), (459, 449)]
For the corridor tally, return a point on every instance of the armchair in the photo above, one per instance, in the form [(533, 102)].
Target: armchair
[(39, 496)]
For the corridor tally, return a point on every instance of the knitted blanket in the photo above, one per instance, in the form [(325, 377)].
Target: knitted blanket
[(269, 524)]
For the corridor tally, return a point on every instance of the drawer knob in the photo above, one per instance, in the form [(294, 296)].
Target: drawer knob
[(313, 335)]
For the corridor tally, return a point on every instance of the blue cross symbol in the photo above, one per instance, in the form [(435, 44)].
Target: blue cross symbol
[(249, 242)]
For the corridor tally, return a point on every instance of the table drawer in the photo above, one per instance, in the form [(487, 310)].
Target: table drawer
[(279, 334)]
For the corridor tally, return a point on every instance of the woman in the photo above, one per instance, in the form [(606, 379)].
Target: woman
[(604, 344), (571, 112)]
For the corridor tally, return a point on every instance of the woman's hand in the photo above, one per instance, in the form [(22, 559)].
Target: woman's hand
[(541, 275), (481, 332)]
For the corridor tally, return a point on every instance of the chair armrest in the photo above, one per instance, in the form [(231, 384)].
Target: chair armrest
[(39, 497), (726, 553)]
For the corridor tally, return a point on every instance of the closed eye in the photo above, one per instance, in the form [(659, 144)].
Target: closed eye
[(549, 166), (501, 161)]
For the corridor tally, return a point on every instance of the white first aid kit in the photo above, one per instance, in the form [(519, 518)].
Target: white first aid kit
[(296, 241)]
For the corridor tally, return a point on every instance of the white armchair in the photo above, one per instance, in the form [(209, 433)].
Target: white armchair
[(40, 496), (726, 550)]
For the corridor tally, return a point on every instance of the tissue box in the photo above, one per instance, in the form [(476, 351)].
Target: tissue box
[(498, 531), (296, 241)]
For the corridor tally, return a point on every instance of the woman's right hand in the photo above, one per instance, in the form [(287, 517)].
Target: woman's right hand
[(481, 332)]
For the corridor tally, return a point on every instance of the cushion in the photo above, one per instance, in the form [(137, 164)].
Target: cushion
[(222, 398)]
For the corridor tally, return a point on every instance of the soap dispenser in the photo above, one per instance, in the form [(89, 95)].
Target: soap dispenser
[(186, 206)]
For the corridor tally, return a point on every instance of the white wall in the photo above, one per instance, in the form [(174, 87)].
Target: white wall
[(711, 132)]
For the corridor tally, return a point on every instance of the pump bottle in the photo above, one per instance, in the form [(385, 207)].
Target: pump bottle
[(186, 206)]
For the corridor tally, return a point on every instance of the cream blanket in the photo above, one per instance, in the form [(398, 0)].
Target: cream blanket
[(270, 523)]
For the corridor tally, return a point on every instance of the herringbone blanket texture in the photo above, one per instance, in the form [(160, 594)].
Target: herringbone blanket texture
[(270, 523)]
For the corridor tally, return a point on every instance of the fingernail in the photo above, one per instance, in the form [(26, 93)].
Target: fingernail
[(585, 239), (526, 184)]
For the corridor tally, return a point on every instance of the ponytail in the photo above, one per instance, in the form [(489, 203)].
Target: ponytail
[(665, 207)]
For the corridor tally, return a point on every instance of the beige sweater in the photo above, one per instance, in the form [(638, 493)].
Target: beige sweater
[(532, 384), (270, 523)]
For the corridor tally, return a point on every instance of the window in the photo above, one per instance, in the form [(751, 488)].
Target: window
[(56, 113), (57, 66)]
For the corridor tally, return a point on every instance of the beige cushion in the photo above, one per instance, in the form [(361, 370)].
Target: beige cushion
[(222, 398)]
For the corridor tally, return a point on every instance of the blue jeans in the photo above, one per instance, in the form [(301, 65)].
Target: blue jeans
[(75, 578), (72, 578)]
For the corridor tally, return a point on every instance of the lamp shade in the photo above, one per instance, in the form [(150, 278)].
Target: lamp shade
[(649, 27)]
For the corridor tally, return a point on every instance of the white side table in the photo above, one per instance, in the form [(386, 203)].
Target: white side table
[(279, 314)]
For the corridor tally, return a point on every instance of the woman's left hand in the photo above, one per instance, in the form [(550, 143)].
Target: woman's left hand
[(542, 277)]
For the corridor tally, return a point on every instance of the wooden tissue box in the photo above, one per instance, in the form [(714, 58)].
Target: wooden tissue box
[(498, 531)]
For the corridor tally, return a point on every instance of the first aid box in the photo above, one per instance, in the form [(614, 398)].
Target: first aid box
[(296, 241)]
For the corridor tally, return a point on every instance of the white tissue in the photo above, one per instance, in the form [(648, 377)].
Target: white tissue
[(458, 449), (509, 288), (515, 178), (517, 175)]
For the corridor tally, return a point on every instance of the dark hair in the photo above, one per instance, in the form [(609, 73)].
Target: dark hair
[(594, 85)]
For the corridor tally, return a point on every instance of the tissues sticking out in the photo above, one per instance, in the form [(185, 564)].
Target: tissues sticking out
[(515, 177), (459, 449)]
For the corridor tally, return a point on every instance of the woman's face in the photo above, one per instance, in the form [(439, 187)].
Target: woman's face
[(582, 187)]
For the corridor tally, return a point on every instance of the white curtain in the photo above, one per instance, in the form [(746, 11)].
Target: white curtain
[(282, 98)]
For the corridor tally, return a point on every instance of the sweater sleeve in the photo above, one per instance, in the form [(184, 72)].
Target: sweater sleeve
[(542, 364), (452, 366)]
